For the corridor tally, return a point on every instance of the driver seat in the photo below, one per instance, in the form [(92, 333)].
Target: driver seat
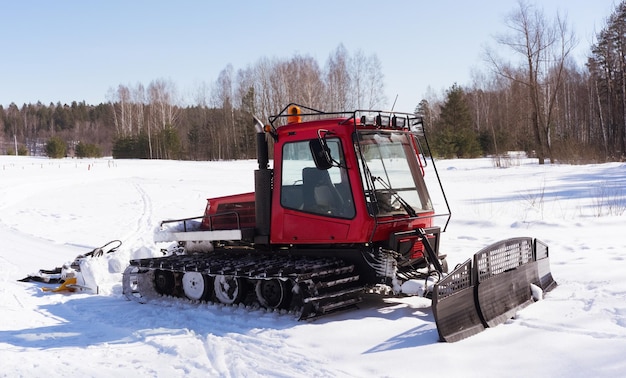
[(320, 195)]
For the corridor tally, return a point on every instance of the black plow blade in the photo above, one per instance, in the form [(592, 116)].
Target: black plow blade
[(456, 315), (491, 288)]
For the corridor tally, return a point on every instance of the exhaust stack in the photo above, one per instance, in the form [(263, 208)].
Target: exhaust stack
[(262, 186), (262, 154)]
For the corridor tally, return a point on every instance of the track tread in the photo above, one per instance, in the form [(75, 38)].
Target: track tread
[(323, 285)]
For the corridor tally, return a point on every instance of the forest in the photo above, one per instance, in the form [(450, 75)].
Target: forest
[(543, 103)]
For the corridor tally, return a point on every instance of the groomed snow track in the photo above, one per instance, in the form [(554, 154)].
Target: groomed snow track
[(307, 286)]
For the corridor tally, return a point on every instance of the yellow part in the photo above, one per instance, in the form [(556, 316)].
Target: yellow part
[(294, 114), (65, 286)]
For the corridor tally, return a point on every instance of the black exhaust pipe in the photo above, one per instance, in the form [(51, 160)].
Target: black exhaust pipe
[(262, 154), (262, 186)]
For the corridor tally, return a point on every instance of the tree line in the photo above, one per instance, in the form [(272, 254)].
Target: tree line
[(545, 104), (539, 101), (149, 121)]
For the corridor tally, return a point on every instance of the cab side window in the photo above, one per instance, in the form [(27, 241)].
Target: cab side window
[(312, 190)]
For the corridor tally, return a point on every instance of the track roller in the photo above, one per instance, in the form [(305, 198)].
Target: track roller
[(197, 286), (229, 289), (273, 293)]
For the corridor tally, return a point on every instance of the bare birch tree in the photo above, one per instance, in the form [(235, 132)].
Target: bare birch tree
[(338, 80), (121, 102), (545, 48), (223, 100), (162, 96), (366, 81)]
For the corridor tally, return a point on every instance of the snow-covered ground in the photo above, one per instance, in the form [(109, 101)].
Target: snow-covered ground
[(53, 210)]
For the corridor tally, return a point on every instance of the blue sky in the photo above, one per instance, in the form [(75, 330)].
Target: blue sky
[(77, 50)]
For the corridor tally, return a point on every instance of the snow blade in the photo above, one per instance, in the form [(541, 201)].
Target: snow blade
[(546, 282), (490, 289), (505, 271), (454, 306)]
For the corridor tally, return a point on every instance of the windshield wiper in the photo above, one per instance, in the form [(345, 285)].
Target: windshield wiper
[(405, 205)]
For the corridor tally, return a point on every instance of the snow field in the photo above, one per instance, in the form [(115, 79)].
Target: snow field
[(53, 210)]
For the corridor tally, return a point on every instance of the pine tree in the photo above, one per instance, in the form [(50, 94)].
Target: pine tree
[(56, 148), (454, 135)]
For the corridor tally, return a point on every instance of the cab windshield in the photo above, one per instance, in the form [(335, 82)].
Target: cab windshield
[(391, 174)]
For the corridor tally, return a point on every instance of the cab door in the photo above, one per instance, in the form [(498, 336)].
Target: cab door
[(311, 205)]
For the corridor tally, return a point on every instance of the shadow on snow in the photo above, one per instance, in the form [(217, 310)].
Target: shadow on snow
[(608, 184), (92, 320)]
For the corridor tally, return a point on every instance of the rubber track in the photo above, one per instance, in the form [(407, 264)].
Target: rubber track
[(322, 285)]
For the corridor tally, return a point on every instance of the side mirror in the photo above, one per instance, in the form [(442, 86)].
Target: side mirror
[(321, 153)]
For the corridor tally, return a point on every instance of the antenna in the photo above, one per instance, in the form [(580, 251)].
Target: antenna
[(394, 103)]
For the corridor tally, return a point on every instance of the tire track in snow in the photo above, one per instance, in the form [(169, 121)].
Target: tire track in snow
[(586, 309), (261, 352), (200, 339), (241, 342), (140, 235), (144, 222), (562, 328), (227, 341)]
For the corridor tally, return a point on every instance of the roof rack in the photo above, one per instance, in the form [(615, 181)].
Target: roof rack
[(364, 117)]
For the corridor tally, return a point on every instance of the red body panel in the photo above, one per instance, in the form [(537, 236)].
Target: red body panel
[(229, 212)]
